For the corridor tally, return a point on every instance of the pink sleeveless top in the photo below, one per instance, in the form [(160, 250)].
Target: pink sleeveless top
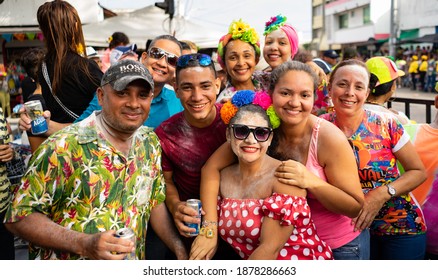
[(335, 229)]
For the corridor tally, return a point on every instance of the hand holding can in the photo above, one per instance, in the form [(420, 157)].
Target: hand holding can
[(127, 233), (34, 109), (195, 204)]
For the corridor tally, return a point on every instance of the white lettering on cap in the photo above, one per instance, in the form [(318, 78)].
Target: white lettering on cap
[(132, 68)]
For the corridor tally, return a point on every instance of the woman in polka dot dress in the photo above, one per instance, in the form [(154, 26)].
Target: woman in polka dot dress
[(251, 196)]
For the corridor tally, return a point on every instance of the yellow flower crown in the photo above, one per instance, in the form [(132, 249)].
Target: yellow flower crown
[(238, 30), (241, 30)]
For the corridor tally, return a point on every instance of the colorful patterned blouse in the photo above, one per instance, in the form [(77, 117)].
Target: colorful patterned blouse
[(259, 79), (378, 137), (80, 181)]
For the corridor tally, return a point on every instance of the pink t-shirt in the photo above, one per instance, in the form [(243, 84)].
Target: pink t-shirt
[(106, 60), (333, 228), (425, 139)]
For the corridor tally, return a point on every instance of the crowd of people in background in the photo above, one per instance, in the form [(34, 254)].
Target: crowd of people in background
[(299, 160)]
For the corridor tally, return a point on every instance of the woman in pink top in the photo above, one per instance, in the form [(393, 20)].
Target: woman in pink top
[(315, 156)]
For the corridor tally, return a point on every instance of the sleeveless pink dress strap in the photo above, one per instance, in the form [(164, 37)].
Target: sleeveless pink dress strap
[(335, 229)]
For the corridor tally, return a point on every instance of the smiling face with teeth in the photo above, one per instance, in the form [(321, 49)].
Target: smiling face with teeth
[(277, 48), (293, 96), (162, 73), (240, 62), (197, 88), (249, 150), (348, 89)]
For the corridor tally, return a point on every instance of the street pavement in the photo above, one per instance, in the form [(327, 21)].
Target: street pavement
[(418, 111)]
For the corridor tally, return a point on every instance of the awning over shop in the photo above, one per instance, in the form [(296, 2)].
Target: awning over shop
[(429, 38), (372, 41), (408, 36)]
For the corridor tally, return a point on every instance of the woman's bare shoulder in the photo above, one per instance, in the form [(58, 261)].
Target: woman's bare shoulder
[(330, 133)]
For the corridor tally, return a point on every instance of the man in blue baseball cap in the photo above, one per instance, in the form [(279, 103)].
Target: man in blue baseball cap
[(328, 60)]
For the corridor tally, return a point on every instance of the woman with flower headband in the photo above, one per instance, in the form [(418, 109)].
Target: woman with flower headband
[(238, 53), (250, 193), (281, 45), (315, 156), (68, 79)]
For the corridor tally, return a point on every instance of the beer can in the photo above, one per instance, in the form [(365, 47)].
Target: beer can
[(195, 204), (34, 109), (127, 233)]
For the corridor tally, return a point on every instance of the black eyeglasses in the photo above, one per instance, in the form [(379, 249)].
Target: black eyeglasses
[(241, 132), (158, 53), (194, 59)]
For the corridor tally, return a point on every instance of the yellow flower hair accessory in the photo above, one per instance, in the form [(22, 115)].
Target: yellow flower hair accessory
[(239, 30), (80, 49), (110, 38), (273, 117)]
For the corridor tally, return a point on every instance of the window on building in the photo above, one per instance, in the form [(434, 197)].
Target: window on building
[(343, 21), (366, 15), (317, 11)]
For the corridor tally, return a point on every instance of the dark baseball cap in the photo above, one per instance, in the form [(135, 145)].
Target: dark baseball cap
[(122, 73), (331, 54)]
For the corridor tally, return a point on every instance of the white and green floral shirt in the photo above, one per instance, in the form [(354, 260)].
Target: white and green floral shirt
[(80, 181)]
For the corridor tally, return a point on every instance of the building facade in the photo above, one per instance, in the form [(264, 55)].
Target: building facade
[(369, 25)]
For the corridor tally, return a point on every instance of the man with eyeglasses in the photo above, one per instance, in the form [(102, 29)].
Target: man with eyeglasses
[(160, 60), (189, 138), (95, 177)]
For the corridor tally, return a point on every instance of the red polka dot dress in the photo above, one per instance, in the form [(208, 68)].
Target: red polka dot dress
[(240, 223)]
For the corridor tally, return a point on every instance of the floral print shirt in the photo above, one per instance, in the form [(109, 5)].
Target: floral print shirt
[(259, 79), (81, 182), (374, 143)]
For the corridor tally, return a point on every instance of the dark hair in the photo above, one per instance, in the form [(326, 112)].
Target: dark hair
[(349, 53), (192, 45), (250, 108), (381, 89), (194, 62), (348, 62), (293, 65), (31, 60), (303, 56), (148, 43), (256, 56), (185, 46), (117, 39), (165, 37)]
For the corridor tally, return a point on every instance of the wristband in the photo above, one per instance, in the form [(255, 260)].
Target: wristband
[(207, 223)]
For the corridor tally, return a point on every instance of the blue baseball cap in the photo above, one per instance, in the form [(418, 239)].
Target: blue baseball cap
[(117, 52), (331, 54)]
